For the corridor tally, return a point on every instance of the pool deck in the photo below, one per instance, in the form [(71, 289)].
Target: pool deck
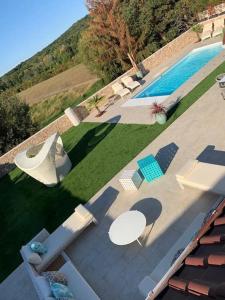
[(115, 272), (132, 114)]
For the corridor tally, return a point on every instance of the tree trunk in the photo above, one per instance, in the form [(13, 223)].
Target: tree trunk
[(131, 57)]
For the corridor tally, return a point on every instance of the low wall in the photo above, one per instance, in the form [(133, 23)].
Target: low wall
[(62, 124)]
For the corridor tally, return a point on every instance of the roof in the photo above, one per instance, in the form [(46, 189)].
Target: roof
[(202, 275)]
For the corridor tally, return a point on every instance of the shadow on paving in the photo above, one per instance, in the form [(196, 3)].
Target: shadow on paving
[(165, 156), (212, 156)]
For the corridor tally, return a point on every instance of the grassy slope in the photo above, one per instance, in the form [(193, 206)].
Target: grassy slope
[(98, 152), (46, 112)]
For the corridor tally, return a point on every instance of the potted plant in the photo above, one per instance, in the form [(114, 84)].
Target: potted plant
[(159, 111), (94, 103), (197, 29)]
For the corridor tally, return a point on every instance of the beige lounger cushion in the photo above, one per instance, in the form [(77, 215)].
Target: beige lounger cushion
[(204, 176)]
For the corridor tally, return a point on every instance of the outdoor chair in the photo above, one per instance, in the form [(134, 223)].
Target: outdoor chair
[(130, 83), (207, 31), (119, 90), (61, 238), (46, 162), (218, 27)]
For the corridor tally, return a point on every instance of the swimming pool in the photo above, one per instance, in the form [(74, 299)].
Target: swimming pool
[(178, 74)]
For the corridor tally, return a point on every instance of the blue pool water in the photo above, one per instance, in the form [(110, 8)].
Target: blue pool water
[(175, 76)]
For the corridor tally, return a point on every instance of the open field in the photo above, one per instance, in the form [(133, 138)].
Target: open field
[(47, 111), (73, 80)]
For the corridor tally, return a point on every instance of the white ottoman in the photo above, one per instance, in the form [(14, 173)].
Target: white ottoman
[(130, 180)]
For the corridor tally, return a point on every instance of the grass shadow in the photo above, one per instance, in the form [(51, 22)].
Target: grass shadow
[(90, 140)]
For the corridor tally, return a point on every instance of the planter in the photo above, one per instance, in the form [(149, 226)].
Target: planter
[(139, 74), (160, 118)]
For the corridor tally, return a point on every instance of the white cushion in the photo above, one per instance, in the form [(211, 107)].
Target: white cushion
[(34, 259), (43, 286)]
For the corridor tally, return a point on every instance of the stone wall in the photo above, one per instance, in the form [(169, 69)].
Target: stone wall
[(62, 124)]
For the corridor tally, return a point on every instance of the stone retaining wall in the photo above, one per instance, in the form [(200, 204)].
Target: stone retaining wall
[(62, 124)]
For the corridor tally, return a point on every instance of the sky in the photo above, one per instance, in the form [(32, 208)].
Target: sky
[(27, 26)]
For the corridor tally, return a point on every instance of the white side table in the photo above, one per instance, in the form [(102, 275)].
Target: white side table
[(130, 180)]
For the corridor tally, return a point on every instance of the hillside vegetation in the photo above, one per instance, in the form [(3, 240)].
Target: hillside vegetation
[(55, 58)]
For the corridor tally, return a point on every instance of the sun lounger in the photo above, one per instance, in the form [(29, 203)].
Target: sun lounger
[(130, 83), (203, 176), (119, 90), (207, 31), (61, 237), (218, 27)]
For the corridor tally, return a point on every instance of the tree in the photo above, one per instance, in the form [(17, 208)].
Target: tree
[(123, 32), (15, 123), (108, 41)]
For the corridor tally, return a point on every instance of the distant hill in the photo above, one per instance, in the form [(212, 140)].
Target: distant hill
[(52, 60), (75, 78)]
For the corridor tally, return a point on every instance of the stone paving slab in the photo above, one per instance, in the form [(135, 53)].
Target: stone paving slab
[(114, 271)]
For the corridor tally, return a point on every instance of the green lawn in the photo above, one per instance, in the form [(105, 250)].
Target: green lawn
[(98, 152)]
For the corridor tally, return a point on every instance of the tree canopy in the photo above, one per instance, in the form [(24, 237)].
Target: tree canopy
[(139, 27), (15, 123)]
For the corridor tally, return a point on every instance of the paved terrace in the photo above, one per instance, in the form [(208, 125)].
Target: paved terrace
[(141, 114), (115, 272)]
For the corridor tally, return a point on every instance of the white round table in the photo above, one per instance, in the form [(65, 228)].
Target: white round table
[(127, 228)]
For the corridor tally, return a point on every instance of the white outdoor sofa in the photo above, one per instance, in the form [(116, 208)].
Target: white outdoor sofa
[(57, 241), (154, 283), (203, 176), (76, 282)]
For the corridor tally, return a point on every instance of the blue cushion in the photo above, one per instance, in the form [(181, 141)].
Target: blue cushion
[(38, 247), (61, 291)]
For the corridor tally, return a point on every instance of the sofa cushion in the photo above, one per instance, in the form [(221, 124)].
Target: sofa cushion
[(29, 256), (55, 276), (43, 286), (61, 291), (34, 259), (38, 247)]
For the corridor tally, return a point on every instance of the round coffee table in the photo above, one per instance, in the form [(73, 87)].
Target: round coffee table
[(127, 228)]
